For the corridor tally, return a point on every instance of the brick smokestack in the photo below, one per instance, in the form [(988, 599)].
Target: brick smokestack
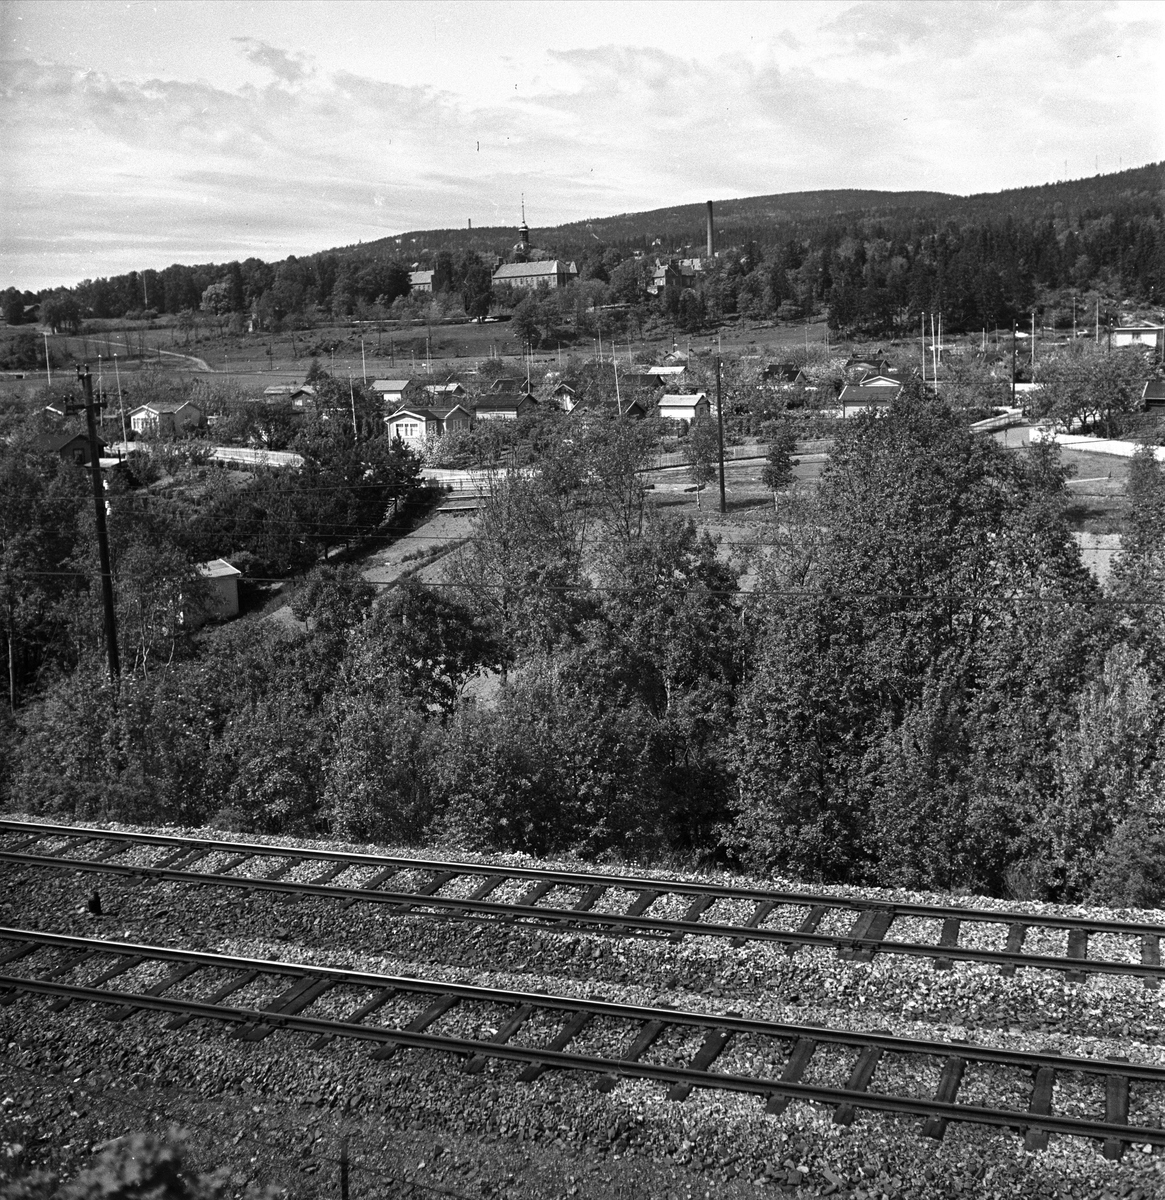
[(711, 232)]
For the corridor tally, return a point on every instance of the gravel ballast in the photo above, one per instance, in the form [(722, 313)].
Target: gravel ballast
[(273, 1111)]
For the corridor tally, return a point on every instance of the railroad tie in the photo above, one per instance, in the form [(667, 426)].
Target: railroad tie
[(8, 995), (589, 899), (1044, 1079), (948, 1089), (118, 968), (433, 1013), (532, 895), (371, 884), (330, 874), (871, 927), (648, 1034), (1016, 932), (164, 985), (808, 925), (762, 910), (475, 1064), (1151, 957), (565, 1035), (70, 844), (698, 907), (1077, 949), (439, 880), (21, 847), (794, 1069), (949, 940), (642, 903), (487, 885), (379, 1000), (297, 997), (859, 1081), (714, 1042), (110, 851), (1116, 1109), (231, 863), (231, 986)]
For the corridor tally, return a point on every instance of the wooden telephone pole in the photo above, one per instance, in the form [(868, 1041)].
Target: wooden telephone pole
[(90, 407)]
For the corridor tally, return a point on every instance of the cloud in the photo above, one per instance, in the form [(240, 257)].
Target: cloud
[(291, 68), (301, 156)]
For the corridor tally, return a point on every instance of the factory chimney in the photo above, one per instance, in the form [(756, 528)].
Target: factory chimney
[(470, 222), (711, 232)]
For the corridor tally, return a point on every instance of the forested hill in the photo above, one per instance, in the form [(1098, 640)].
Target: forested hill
[(772, 219)]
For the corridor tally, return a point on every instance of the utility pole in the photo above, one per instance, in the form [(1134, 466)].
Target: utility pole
[(102, 534), (48, 366), (720, 424), (1013, 333)]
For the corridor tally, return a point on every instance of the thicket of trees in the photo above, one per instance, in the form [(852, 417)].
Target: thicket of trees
[(926, 689)]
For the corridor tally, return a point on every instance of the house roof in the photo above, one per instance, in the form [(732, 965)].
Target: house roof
[(446, 413), (1154, 390), (524, 270), (681, 399), (854, 393), (1139, 327), (161, 406), (52, 443), (883, 378), (505, 403), (417, 278), (421, 414), (391, 385), (218, 568), (436, 389)]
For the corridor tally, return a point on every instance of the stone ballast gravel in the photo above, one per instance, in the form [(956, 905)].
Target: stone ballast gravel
[(715, 1143)]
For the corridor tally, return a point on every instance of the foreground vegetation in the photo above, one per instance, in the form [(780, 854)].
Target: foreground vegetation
[(926, 689)]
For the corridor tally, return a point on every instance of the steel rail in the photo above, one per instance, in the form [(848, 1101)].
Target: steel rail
[(608, 923), (867, 937), (1114, 1134), (634, 883)]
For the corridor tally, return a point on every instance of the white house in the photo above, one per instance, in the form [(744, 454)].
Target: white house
[(395, 392), (222, 586), (417, 424), (165, 417), (1144, 334), (684, 407), (421, 281)]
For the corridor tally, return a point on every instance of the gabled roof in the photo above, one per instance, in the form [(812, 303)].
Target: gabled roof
[(1139, 327), (437, 389), (680, 399), (162, 406), (523, 270), (854, 393), (421, 414), (416, 278), (505, 403), (446, 413), (883, 378), (218, 568), (391, 385), (785, 370), (54, 443)]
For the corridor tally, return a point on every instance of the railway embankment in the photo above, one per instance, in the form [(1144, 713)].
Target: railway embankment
[(276, 1110)]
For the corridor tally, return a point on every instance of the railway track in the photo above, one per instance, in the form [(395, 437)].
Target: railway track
[(608, 1040), (857, 929)]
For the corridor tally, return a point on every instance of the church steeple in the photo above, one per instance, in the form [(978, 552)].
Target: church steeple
[(524, 229)]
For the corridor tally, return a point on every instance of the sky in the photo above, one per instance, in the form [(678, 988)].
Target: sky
[(139, 133)]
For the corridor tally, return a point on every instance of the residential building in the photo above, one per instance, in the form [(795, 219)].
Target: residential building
[(855, 397), (166, 418), (222, 586), (421, 281), (417, 424), (780, 374), (73, 447), (1153, 394), (885, 378), (684, 407), (1143, 334), (505, 408), (440, 393), (552, 274), (395, 392)]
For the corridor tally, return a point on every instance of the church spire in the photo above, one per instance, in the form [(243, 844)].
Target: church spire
[(524, 229)]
